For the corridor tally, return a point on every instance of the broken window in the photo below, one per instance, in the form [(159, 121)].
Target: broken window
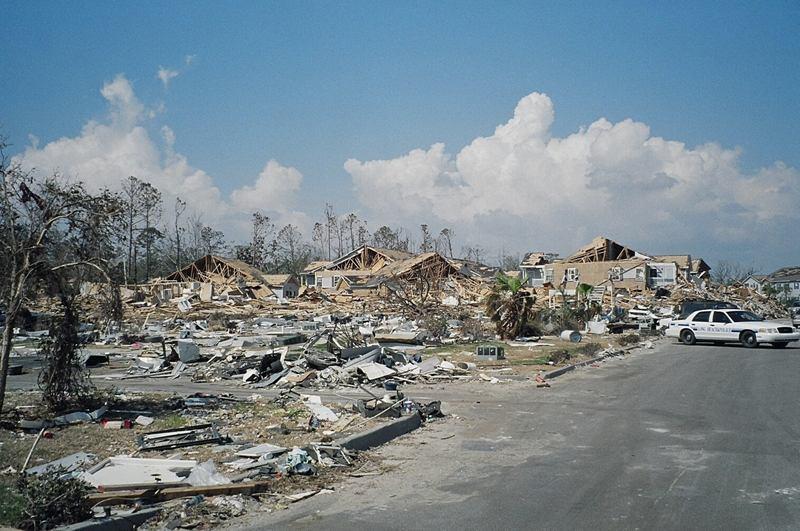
[(571, 274), (616, 273)]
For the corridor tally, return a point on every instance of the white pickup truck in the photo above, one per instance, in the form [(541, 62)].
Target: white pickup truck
[(725, 326)]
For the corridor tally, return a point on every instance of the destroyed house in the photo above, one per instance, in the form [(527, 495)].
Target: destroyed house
[(214, 275), (283, 286), (687, 267), (430, 269), (604, 262), (532, 267), (356, 266), (475, 270), (308, 276)]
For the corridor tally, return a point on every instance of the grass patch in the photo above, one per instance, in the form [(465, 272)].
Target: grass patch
[(294, 413), (171, 421), (542, 360), (12, 506)]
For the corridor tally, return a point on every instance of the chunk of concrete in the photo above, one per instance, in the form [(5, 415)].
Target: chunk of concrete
[(381, 434), (188, 351)]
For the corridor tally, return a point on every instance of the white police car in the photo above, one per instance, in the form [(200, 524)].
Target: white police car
[(723, 326)]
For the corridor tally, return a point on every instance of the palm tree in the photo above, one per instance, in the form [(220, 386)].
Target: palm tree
[(509, 306)]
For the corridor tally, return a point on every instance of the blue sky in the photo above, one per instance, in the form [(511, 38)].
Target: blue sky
[(313, 84)]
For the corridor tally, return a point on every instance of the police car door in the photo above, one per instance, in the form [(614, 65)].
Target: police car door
[(722, 327), (700, 325)]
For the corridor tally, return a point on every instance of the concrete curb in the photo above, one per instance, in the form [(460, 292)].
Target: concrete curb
[(381, 434), (563, 370)]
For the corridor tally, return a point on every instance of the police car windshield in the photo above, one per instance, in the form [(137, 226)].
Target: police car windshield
[(742, 316)]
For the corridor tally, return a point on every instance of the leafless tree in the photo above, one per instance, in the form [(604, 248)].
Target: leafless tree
[(132, 196), (351, 222), (262, 234), (446, 241), (473, 253), (727, 273), (180, 208), (48, 227), (292, 251), (151, 211), (331, 227), (426, 245)]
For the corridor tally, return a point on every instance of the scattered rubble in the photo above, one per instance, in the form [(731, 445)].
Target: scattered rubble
[(209, 456)]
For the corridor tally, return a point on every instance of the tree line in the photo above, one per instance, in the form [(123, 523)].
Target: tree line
[(152, 242)]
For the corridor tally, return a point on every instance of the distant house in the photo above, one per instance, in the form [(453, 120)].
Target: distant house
[(214, 275), (686, 267), (308, 276), (359, 264), (533, 270), (283, 286), (601, 262), (700, 269), (604, 262), (424, 271), (756, 282), (786, 282)]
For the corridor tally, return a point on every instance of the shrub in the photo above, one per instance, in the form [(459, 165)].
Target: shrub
[(628, 339), (559, 356), (588, 349), (53, 499)]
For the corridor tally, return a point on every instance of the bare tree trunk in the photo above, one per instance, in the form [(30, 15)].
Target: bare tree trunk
[(130, 242), (135, 264), (5, 357), (147, 259), (5, 347)]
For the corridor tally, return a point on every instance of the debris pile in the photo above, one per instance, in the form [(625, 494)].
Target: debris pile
[(227, 456)]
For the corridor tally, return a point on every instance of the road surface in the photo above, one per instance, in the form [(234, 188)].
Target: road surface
[(702, 437)]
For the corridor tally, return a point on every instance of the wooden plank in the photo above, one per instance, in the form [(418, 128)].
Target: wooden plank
[(130, 497)]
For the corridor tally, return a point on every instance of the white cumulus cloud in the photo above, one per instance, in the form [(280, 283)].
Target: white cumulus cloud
[(274, 189), (522, 187), (166, 75), (108, 151)]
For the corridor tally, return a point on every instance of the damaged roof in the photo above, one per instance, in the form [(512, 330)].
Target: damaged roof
[(602, 249), (212, 268), (277, 280), (537, 259), (786, 274), (367, 257), (683, 260), (316, 266)]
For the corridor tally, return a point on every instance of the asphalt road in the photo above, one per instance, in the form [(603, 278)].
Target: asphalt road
[(701, 437)]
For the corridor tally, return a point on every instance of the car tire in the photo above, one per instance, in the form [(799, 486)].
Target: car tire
[(780, 344), (748, 339), (687, 337)]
